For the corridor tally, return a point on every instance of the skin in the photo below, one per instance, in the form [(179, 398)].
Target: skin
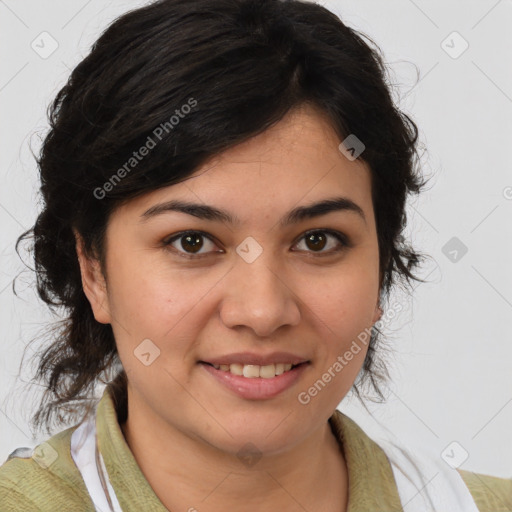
[(290, 298)]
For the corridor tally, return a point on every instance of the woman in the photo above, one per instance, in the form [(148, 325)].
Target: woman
[(224, 189)]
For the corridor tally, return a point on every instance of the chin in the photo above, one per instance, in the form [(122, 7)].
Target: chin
[(270, 436)]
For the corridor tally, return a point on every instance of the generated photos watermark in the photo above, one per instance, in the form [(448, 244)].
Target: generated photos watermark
[(152, 140), (304, 397)]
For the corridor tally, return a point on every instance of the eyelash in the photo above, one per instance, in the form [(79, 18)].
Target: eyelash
[(340, 237)]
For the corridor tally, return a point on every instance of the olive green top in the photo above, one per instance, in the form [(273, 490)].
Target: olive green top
[(49, 480)]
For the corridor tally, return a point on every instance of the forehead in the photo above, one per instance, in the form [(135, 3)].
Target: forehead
[(297, 160), (305, 133)]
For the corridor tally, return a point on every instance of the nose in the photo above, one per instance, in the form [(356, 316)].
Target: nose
[(259, 297)]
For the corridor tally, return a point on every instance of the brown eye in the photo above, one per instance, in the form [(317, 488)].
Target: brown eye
[(192, 243), (189, 243), (316, 241)]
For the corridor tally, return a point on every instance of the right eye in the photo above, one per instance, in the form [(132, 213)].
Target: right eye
[(188, 241)]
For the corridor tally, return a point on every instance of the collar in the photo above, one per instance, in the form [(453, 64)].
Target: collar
[(371, 482)]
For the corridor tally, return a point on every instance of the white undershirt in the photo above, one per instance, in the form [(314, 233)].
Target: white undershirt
[(83, 452)]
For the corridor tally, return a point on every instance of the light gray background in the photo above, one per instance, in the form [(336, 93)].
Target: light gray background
[(451, 377)]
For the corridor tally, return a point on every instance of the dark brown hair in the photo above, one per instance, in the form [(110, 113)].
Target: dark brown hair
[(245, 64)]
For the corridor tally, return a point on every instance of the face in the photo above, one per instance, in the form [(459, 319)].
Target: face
[(187, 291)]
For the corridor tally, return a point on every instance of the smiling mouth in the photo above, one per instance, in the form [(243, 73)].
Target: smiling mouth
[(253, 371)]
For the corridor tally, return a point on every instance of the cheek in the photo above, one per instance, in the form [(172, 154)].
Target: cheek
[(342, 311), (150, 295), (167, 306), (344, 303)]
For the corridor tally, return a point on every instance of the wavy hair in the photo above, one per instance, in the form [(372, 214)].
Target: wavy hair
[(246, 63)]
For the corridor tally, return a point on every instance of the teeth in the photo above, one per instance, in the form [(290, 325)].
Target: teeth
[(237, 369), (252, 371)]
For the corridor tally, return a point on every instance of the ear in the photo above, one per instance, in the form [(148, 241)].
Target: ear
[(378, 310), (377, 314), (93, 283)]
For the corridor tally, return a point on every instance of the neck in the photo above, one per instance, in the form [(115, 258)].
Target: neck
[(184, 472)]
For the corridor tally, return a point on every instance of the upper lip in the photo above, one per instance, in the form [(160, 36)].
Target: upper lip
[(257, 359)]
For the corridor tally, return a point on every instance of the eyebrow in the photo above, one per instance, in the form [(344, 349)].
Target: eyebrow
[(294, 216)]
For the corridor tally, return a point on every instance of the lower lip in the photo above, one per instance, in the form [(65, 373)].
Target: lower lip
[(256, 388)]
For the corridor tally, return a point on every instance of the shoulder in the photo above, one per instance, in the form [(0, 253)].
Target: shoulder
[(491, 493), (43, 479)]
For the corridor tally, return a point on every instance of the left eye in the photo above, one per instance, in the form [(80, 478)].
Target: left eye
[(318, 240), (192, 242)]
